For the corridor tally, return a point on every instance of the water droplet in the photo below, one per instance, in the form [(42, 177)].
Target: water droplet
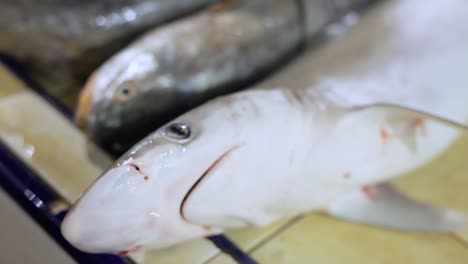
[(29, 150), (129, 14), (154, 214), (101, 21)]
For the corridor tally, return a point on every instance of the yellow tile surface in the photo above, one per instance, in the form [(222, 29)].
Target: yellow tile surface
[(222, 259), (443, 182), (192, 252), (47, 142), (320, 239), (463, 236), (247, 238)]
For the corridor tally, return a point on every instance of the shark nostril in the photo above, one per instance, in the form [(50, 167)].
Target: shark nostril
[(133, 165)]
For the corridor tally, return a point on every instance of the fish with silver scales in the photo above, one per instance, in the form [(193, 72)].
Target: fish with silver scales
[(174, 68), (62, 42)]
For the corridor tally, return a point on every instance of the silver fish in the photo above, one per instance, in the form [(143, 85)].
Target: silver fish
[(68, 39), (183, 64)]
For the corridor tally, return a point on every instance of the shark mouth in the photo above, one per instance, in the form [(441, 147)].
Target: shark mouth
[(207, 172)]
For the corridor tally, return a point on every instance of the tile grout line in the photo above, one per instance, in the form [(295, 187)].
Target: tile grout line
[(276, 233), (266, 239), (460, 239)]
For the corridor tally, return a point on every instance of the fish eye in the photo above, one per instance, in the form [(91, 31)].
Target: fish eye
[(126, 91), (178, 132)]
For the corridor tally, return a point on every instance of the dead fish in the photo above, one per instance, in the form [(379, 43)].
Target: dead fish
[(183, 64), (257, 156), (65, 39)]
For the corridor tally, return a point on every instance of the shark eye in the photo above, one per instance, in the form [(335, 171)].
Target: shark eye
[(126, 91), (178, 132)]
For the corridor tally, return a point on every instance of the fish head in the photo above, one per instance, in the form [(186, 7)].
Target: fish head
[(138, 202), (123, 101)]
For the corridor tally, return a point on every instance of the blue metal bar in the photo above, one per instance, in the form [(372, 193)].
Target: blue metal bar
[(32, 196), (228, 247)]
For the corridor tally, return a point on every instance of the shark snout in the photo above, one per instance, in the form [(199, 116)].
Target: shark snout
[(98, 234)]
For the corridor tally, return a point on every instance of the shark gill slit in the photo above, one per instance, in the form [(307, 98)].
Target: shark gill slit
[(207, 171)]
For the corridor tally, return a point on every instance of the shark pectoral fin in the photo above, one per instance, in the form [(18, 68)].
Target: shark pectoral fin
[(406, 123), (417, 114), (406, 129), (383, 205)]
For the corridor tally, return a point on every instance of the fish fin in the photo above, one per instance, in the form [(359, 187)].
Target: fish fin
[(383, 205), (407, 123), (408, 138), (406, 129), (419, 115)]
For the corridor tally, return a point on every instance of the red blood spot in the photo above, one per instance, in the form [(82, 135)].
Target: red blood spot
[(347, 175), (136, 249), (419, 123), (368, 192), (384, 135), (126, 252), (146, 178), (151, 223)]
